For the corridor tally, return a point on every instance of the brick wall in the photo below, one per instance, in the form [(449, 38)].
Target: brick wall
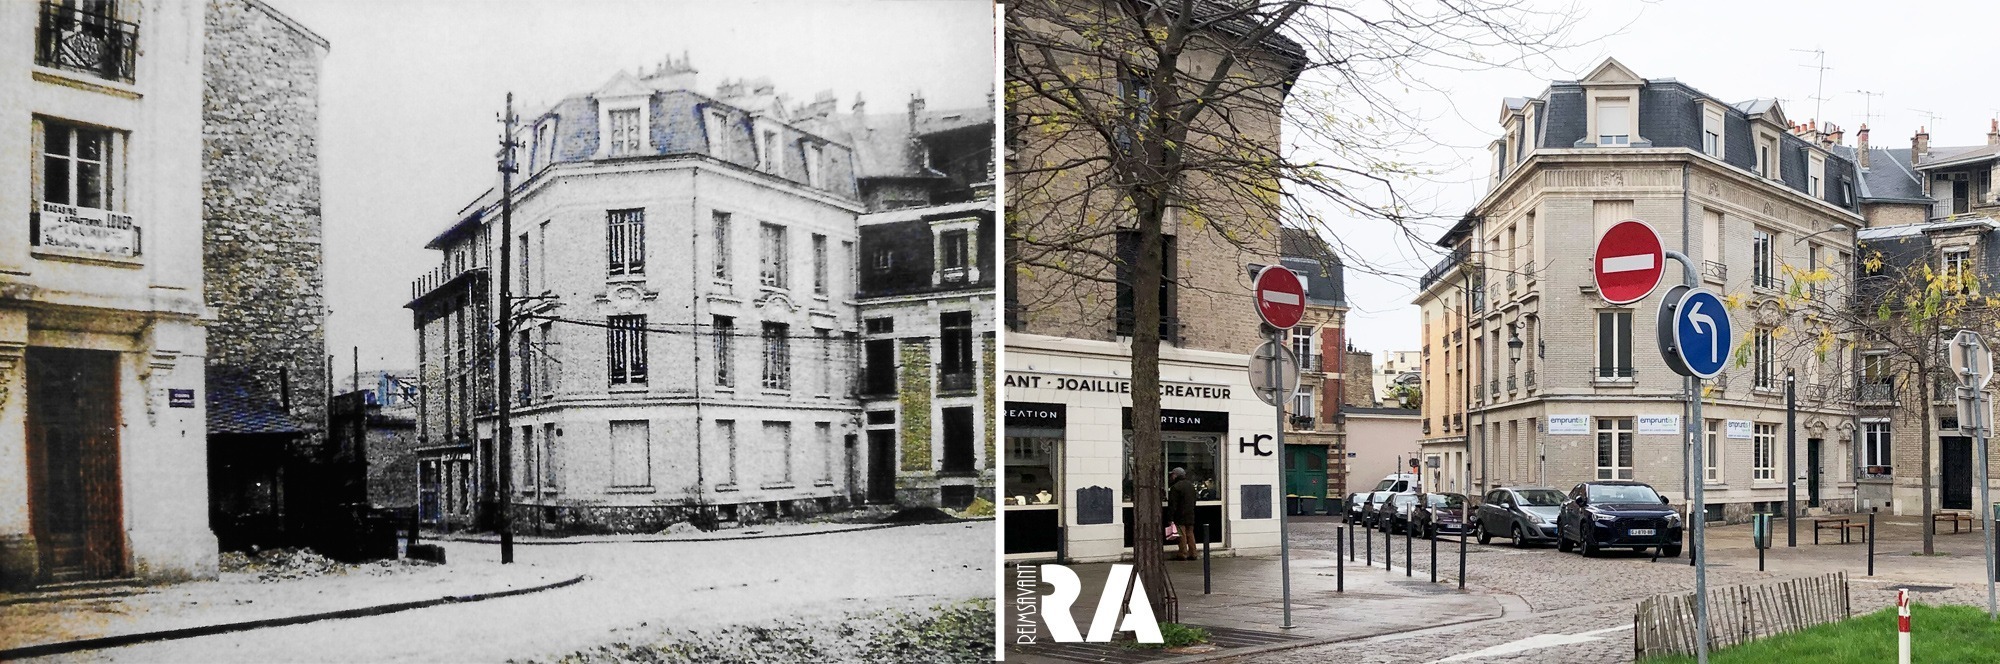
[(261, 201)]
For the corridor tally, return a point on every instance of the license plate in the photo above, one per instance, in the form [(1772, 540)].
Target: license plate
[(1641, 532)]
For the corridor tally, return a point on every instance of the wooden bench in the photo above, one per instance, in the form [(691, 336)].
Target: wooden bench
[(1853, 527), (1834, 523), (1954, 517)]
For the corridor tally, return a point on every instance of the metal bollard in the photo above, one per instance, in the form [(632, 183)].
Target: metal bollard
[(1340, 554), (1434, 557), (1388, 550), (1350, 541), (1371, 548), (1204, 559), (1407, 571), (1062, 545), (1871, 542)]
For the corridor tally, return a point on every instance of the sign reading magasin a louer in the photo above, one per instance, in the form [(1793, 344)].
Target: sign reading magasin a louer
[(87, 230)]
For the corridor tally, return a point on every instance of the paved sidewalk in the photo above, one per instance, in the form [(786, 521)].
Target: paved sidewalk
[(753, 532), (41, 621), (1245, 611)]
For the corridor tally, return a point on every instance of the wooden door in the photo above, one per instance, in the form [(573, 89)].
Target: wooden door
[(881, 466), (75, 491), (1956, 485)]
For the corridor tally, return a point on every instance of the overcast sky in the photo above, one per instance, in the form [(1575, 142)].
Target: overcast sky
[(1917, 61), (411, 89)]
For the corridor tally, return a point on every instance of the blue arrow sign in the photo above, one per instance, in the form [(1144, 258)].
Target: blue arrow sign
[(1703, 335)]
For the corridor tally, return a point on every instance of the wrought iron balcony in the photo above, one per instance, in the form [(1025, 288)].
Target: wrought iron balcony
[(83, 41), (1513, 383), (1767, 281), (1479, 393), (957, 382), (1613, 373), (1303, 423), (1427, 427), (1714, 271), (1494, 387), (1873, 392)]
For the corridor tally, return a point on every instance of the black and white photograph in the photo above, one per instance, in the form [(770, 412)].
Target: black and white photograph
[(522, 330)]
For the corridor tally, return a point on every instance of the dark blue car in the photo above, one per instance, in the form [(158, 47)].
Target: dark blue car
[(1608, 515)]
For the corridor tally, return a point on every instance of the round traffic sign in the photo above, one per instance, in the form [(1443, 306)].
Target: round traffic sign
[(1272, 388), (1703, 335), (1628, 262), (1281, 298)]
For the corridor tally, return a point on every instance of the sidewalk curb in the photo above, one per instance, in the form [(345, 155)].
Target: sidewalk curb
[(486, 539), (45, 649)]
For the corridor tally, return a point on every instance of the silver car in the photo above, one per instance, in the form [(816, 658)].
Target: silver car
[(1523, 514)]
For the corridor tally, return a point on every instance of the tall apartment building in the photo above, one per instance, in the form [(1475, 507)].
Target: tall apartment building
[(1315, 426), (1929, 206), (1544, 383), (687, 337), (1067, 490)]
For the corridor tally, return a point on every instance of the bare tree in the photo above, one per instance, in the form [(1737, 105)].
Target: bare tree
[(1153, 119)]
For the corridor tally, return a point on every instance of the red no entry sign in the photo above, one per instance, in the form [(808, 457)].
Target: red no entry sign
[(1281, 299), (1628, 262)]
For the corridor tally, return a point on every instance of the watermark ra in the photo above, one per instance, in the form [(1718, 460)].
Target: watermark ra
[(1053, 609)]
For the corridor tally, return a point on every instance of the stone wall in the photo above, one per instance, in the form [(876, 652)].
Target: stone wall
[(262, 259)]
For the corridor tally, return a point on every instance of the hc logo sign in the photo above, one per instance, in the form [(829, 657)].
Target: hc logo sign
[(1054, 607)]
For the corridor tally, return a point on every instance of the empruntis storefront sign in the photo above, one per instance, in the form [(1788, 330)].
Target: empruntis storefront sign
[(86, 230)]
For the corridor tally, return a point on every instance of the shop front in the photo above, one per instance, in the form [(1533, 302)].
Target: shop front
[(1068, 485)]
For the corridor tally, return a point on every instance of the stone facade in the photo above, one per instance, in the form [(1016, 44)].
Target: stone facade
[(1527, 244), (262, 258)]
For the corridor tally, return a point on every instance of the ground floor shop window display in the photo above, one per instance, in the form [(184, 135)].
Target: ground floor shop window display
[(1201, 456), (1031, 493)]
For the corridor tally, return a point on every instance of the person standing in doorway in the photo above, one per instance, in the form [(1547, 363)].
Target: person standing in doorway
[(1180, 510)]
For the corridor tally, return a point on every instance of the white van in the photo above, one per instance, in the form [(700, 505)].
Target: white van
[(1390, 485)]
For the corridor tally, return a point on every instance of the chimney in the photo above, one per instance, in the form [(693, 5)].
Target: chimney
[(1861, 148), (1832, 135), (1993, 134), (916, 108), (1920, 145), (860, 106)]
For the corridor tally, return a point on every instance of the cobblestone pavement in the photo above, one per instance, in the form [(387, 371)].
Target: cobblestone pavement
[(1582, 609)]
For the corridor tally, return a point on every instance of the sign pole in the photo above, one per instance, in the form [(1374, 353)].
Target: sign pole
[(1284, 520), (1971, 359), (1697, 513)]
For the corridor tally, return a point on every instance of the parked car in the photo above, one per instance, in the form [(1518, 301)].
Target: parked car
[(1440, 513), (1391, 485), (1525, 514), (1601, 515), (1394, 515), (1355, 501)]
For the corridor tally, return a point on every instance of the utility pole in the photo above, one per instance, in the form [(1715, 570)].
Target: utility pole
[(505, 328)]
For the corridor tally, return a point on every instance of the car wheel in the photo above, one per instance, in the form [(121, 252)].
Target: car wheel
[(1562, 541), (1588, 546), (1484, 538), (1671, 551), (1520, 538)]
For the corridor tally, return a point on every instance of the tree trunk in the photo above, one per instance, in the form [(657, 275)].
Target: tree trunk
[(1923, 389), (1148, 455)]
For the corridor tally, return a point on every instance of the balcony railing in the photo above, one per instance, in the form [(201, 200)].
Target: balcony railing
[(1458, 421), (1479, 393), (1303, 423), (1427, 427), (1613, 373), (1944, 391), (1170, 327), (1513, 383), (1311, 363), (87, 42), (957, 382), (1528, 377), (1493, 388), (1767, 281), (1875, 392), (1714, 271)]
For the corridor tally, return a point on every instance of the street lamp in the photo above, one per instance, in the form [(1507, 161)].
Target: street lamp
[(1514, 345)]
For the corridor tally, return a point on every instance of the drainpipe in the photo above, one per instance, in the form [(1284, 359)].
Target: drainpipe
[(694, 295)]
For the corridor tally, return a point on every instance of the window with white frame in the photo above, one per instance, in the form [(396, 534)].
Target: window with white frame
[(1614, 121), (767, 152), (819, 264), (1302, 346), (716, 122), (1955, 260), (625, 346), (624, 241), (1764, 452), (1711, 454), (1815, 175), (771, 263), (1766, 360), (1302, 402), (722, 245), (1711, 130), (1763, 259), (76, 165), (954, 255), (778, 435), (1614, 344), (1614, 448), (626, 134), (1767, 156), (631, 453), (815, 176), (725, 435), (777, 356), (1875, 447)]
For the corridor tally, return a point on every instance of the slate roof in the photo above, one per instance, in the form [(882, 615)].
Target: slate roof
[(237, 405), (881, 141), (1889, 177)]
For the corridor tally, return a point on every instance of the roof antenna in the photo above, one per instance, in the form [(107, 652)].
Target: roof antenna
[(1820, 87), (1867, 105)]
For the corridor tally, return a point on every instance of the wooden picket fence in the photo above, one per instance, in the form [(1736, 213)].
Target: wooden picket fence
[(1665, 624)]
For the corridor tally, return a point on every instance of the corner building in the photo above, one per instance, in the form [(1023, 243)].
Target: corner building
[(1584, 394)]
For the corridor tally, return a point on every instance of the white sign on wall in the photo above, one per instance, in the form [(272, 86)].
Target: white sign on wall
[(1569, 425), (1660, 424), (86, 229), (1739, 429)]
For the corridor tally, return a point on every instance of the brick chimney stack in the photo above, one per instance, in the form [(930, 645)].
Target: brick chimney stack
[(1861, 148), (1920, 145), (1993, 134)]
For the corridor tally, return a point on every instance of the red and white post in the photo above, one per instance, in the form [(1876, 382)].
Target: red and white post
[(1903, 626)]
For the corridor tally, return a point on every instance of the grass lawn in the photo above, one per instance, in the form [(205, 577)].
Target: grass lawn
[(1948, 633)]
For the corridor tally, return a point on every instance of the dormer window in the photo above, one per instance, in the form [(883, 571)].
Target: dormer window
[(767, 151), (1711, 130), (952, 253), (814, 176), (1767, 155), (625, 133), (1614, 121), (1816, 176)]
